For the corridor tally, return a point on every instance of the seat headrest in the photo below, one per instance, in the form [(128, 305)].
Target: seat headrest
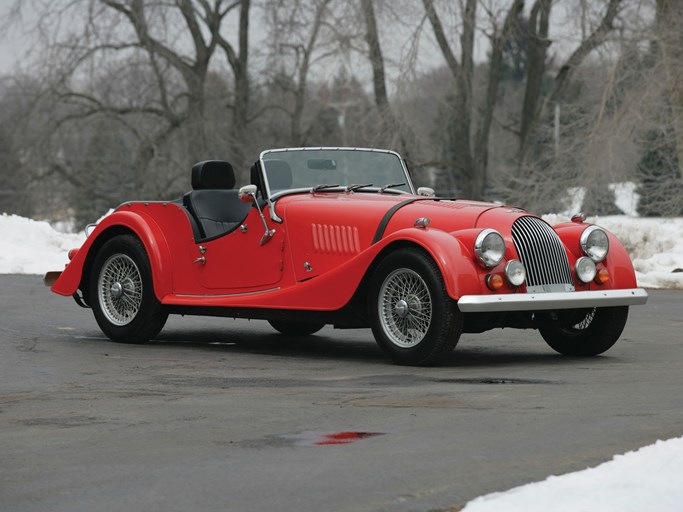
[(279, 175), (212, 174)]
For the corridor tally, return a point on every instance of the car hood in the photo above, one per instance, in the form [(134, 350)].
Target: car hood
[(369, 212)]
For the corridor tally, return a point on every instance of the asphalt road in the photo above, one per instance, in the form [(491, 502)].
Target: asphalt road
[(228, 415)]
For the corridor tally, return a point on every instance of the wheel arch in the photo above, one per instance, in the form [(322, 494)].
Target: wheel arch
[(454, 262)]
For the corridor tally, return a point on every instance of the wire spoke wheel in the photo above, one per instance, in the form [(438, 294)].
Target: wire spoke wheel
[(582, 325), (589, 334), (413, 318), (120, 289), (405, 306)]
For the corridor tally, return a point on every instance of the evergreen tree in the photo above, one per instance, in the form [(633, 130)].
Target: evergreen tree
[(660, 189)]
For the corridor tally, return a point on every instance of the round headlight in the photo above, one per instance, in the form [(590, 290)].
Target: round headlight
[(585, 269), (515, 272), (595, 243), (490, 247)]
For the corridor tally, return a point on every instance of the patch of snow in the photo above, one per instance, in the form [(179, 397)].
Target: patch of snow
[(645, 479), (33, 247), (625, 197)]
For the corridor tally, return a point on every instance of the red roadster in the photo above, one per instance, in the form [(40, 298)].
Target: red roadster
[(340, 236)]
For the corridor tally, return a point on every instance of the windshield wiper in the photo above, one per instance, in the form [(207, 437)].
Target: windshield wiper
[(324, 186), (354, 187), (391, 185)]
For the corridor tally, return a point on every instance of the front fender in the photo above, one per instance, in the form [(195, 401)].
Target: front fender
[(119, 222), (459, 271), (618, 262)]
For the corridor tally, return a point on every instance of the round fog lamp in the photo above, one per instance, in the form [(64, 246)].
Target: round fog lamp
[(490, 247), (595, 243), (515, 272), (585, 269)]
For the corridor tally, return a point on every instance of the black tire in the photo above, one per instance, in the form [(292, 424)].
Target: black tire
[(122, 294), (413, 319), (295, 328), (594, 333)]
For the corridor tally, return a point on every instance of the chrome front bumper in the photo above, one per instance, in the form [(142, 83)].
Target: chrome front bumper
[(541, 301)]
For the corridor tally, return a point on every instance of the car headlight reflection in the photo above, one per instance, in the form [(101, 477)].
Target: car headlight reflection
[(490, 247), (585, 269), (595, 243)]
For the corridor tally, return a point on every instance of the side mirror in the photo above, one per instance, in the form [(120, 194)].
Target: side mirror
[(247, 193), (426, 191)]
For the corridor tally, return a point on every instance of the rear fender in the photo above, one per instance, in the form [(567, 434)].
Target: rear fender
[(137, 223)]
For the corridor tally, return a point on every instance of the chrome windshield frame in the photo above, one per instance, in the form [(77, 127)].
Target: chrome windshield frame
[(272, 198)]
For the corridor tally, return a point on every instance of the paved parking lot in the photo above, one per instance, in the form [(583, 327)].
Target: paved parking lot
[(219, 414)]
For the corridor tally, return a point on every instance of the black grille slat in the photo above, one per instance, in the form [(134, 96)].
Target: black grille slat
[(542, 253)]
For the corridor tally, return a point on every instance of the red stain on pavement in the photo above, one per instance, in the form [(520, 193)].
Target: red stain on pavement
[(345, 437)]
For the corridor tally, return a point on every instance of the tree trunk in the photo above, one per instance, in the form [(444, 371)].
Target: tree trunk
[(241, 74), (377, 63), (538, 47), (481, 142), (669, 23), (533, 112)]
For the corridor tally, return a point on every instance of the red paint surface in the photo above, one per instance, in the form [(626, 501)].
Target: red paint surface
[(345, 437)]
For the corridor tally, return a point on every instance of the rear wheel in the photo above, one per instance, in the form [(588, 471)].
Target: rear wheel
[(593, 332), (122, 294), (295, 328), (414, 320)]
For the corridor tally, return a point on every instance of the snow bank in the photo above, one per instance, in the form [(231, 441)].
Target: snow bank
[(646, 479), (33, 247)]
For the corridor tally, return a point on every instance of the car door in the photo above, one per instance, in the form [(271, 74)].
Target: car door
[(237, 261)]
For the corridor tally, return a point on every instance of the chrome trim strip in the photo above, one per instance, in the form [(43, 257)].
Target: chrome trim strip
[(206, 296), (557, 300)]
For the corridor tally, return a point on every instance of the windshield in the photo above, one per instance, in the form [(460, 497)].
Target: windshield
[(291, 169)]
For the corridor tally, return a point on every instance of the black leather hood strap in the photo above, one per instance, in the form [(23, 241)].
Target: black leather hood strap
[(390, 213)]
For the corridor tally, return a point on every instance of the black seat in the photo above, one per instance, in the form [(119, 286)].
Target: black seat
[(213, 202)]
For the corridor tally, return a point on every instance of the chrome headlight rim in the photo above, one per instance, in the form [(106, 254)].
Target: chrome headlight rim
[(589, 250), (582, 264), (483, 253), (512, 273)]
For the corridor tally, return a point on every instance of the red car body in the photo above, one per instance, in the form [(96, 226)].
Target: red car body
[(326, 246)]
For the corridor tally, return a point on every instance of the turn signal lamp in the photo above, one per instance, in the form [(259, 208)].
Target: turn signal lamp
[(494, 282), (72, 253), (602, 276)]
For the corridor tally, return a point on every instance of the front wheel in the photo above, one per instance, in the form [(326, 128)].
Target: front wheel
[(122, 294), (593, 332), (414, 320)]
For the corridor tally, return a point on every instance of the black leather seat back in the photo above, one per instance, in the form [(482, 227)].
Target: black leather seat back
[(213, 202)]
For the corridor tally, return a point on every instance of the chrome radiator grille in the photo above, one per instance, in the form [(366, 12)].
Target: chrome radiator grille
[(543, 256)]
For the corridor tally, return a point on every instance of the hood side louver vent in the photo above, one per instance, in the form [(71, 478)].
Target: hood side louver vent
[(330, 239)]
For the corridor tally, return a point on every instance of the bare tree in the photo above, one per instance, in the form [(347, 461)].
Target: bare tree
[(469, 156), (300, 39)]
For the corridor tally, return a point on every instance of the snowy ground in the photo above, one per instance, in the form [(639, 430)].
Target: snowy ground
[(625, 484)]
